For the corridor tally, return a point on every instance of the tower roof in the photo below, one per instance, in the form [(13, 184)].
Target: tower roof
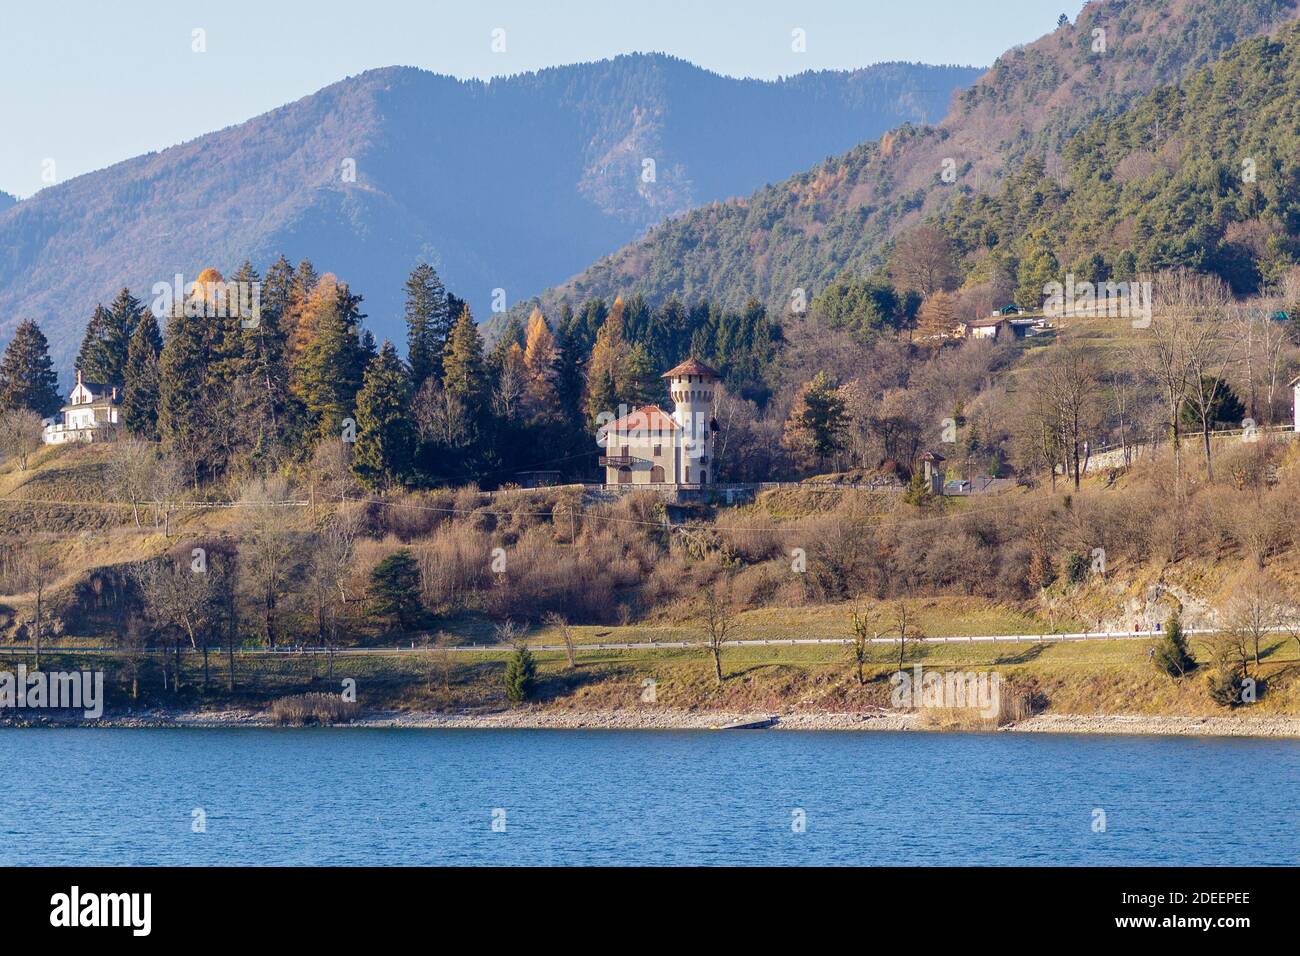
[(692, 366)]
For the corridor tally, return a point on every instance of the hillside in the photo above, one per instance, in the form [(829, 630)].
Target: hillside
[(1201, 174), (837, 216), (511, 184)]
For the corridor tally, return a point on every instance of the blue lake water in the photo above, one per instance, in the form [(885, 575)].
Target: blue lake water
[(99, 797)]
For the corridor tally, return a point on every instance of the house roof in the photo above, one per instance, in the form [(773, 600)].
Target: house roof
[(645, 418), (691, 366)]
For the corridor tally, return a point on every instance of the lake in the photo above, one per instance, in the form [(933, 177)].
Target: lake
[(381, 796)]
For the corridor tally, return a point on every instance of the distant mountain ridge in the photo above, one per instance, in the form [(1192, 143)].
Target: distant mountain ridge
[(511, 184), (839, 216)]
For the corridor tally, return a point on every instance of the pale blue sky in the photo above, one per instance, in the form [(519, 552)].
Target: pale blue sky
[(88, 83)]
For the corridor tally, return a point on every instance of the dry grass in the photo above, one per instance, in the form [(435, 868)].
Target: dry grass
[(303, 709)]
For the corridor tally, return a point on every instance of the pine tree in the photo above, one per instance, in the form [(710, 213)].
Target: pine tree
[(327, 373), (140, 390), (937, 318), (540, 358), (817, 419), (27, 378), (301, 291), (427, 323), (264, 365), (385, 438), (1171, 654), (182, 368), (521, 674), (126, 311), (568, 379), (464, 373), (394, 595), (103, 353), (92, 344), (607, 369)]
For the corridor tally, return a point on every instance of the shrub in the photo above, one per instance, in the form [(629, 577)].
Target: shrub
[(521, 675), (1225, 686), (1171, 654), (1076, 567)]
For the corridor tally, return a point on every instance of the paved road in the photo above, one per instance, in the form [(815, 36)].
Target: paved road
[(409, 648)]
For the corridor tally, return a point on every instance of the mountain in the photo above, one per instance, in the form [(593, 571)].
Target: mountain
[(6, 200), (838, 216), (1202, 174), (508, 184)]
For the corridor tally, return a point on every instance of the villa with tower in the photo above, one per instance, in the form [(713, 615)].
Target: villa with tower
[(649, 448)]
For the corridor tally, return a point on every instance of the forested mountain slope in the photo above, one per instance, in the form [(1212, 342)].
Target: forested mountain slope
[(838, 216), (511, 184)]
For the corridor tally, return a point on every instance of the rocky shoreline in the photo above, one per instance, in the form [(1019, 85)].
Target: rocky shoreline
[(664, 719)]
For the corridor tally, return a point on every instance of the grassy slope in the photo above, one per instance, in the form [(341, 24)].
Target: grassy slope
[(1094, 677)]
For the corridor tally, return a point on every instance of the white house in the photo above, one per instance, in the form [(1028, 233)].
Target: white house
[(648, 446), (92, 414), (1295, 402)]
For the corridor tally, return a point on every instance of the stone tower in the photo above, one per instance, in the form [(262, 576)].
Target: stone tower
[(691, 386)]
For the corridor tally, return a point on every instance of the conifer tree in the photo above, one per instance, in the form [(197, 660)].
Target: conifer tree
[(521, 674), (301, 290), (327, 372), (394, 596), (385, 436), (817, 419), (102, 357), (607, 369), (140, 394), (427, 323), (464, 374), (264, 369), (568, 378), (540, 359), (91, 345), (182, 369), (27, 378), (937, 318)]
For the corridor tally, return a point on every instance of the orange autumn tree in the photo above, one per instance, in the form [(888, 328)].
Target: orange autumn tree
[(540, 355)]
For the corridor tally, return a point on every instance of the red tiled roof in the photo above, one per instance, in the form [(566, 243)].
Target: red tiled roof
[(691, 367), (645, 418)]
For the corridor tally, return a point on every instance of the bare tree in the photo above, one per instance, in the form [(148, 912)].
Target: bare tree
[(1180, 344), (866, 630), (904, 628), (178, 596), (131, 472), (1210, 352), (718, 620), (267, 544), (923, 260), (167, 488), (36, 568), (560, 623), (21, 434), (1258, 608), (1072, 380)]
